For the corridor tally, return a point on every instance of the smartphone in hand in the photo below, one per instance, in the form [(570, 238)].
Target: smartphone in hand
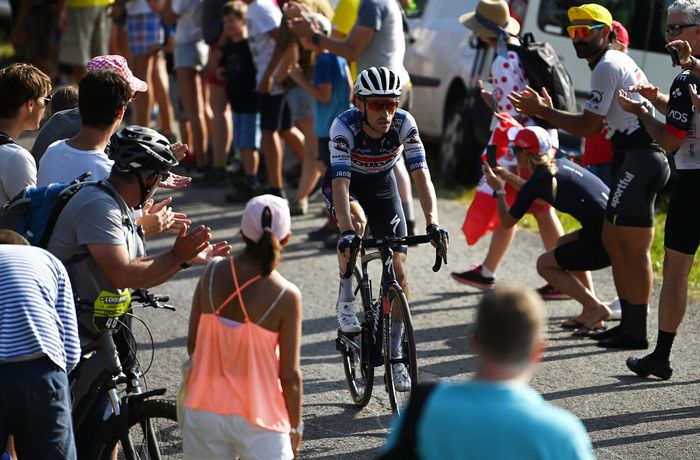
[(674, 56), (491, 150)]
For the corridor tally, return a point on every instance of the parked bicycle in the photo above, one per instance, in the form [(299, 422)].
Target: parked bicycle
[(371, 347), (139, 427)]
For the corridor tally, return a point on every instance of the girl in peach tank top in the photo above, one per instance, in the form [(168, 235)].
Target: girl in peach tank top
[(244, 389)]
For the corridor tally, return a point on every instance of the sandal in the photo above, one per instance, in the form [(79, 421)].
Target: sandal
[(585, 331), (571, 323)]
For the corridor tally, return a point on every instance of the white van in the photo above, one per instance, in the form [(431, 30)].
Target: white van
[(441, 43)]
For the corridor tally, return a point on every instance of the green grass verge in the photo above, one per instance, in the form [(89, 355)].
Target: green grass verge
[(570, 224)]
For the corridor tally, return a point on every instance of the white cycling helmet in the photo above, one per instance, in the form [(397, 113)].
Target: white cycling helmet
[(378, 81)]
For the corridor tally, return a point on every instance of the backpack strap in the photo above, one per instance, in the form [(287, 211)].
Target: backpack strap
[(406, 446), (5, 139)]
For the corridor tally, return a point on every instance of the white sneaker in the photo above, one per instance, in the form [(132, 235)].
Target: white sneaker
[(347, 318), (402, 381), (616, 309)]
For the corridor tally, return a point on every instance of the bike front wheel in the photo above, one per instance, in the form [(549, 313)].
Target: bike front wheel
[(356, 350), (153, 433), (400, 366)]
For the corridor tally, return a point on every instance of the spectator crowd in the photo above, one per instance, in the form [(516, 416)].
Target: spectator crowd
[(127, 90)]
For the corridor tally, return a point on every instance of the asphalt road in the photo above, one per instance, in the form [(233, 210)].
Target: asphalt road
[(627, 417)]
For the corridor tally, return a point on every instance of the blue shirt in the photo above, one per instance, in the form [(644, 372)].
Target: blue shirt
[(330, 69), (37, 314), (484, 420), (355, 154)]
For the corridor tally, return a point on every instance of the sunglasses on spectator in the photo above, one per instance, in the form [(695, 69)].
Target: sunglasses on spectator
[(377, 106), (582, 31), (47, 100), (673, 30)]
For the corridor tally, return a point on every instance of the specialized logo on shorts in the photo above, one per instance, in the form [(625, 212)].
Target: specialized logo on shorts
[(622, 184), (395, 221)]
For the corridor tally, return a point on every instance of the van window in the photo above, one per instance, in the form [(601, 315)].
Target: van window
[(649, 18)]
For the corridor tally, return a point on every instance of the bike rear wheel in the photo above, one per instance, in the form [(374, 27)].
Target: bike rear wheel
[(356, 350), (153, 432), (394, 374)]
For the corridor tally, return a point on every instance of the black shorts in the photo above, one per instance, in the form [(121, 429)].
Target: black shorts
[(379, 199), (324, 151), (272, 117), (682, 232), (642, 174), (585, 253)]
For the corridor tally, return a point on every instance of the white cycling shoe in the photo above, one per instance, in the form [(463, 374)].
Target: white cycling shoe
[(402, 381), (347, 318)]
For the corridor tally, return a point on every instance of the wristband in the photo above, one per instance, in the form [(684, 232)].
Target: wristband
[(299, 429), (315, 38), (499, 192), (185, 265)]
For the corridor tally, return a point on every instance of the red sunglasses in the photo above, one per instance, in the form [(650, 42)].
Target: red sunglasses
[(388, 105)]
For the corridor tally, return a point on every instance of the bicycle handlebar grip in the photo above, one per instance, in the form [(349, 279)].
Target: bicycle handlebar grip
[(438, 261), (161, 297)]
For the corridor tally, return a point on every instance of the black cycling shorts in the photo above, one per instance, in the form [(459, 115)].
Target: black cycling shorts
[(642, 174), (380, 200), (683, 217), (585, 253)]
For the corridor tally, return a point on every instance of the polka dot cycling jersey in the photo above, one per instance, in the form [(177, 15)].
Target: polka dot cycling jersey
[(507, 76), (354, 153)]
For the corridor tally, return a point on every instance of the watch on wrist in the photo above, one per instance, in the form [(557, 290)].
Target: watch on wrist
[(299, 428), (499, 192), (315, 38)]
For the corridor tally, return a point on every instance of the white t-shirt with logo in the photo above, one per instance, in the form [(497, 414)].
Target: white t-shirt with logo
[(615, 71)]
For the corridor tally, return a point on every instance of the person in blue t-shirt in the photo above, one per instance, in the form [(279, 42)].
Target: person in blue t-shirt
[(330, 89), (497, 415)]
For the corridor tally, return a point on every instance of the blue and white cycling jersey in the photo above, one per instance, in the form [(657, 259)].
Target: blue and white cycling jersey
[(355, 154)]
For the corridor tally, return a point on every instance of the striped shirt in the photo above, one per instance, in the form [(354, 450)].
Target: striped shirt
[(37, 313)]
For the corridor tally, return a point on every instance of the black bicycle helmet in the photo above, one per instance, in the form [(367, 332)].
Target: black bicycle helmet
[(378, 81), (136, 148)]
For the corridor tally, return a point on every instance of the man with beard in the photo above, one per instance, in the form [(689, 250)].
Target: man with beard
[(640, 168)]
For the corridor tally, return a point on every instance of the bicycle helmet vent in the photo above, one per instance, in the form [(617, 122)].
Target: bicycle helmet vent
[(137, 148), (378, 81)]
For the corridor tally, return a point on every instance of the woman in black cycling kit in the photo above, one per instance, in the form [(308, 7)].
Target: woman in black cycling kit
[(640, 168), (568, 188)]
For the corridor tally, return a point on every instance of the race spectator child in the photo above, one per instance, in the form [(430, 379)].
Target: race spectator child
[(330, 89), (239, 70), (190, 56)]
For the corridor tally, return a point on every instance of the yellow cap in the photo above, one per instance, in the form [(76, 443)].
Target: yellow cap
[(590, 12)]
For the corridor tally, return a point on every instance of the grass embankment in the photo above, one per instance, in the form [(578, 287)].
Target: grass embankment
[(570, 224)]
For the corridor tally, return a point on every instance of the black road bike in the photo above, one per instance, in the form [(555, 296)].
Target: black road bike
[(139, 427), (372, 347)]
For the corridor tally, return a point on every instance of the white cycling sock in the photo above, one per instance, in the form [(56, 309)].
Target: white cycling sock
[(345, 294), (396, 336), (486, 272)]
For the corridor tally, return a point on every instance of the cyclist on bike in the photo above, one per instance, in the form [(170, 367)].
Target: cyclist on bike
[(360, 188)]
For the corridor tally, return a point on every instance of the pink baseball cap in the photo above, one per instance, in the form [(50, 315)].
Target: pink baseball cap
[(266, 211), (117, 64), (622, 35), (534, 139)]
